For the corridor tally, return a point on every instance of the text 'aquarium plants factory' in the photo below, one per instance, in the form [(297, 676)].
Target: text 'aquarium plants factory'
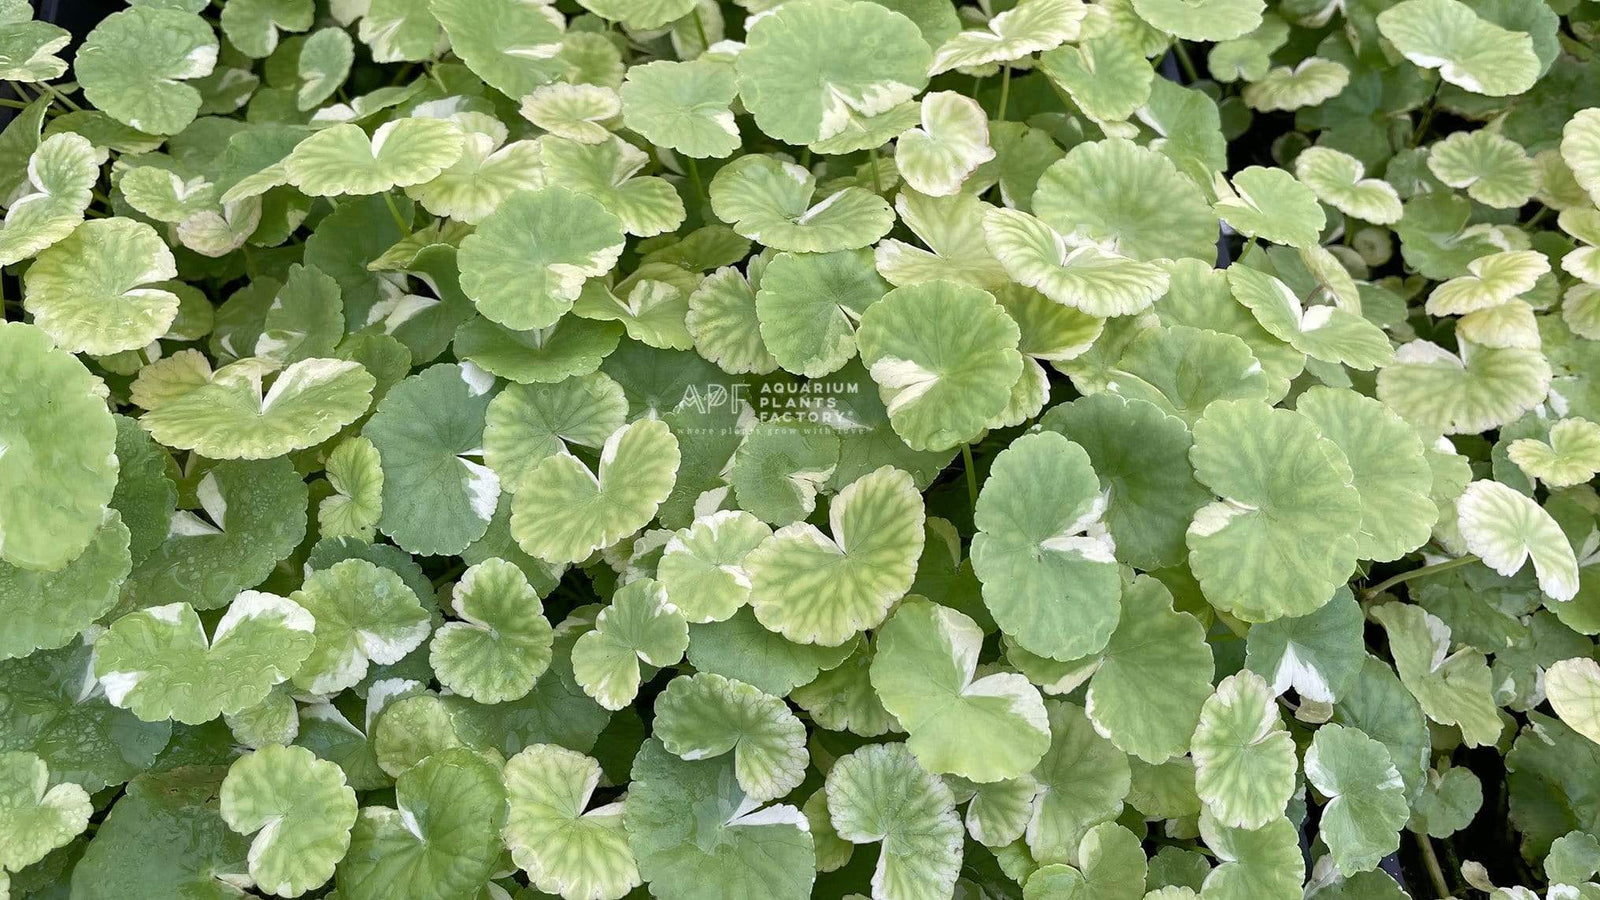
[(783, 449)]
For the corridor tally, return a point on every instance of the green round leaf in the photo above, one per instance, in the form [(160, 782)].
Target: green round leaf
[(683, 105), (46, 610), (639, 626), (810, 64), (300, 811), (565, 847), (880, 795), (809, 304), (39, 817), (1338, 179), (58, 469), (344, 160), (514, 47), (436, 500), (442, 839), (61, 173), (562, 511), (527, 262), (230, 415), (772, 202), (90, 291), (1479, 389), (983, 729), (136, 64), (1506, 528), (1469, 52), (363, 614), (1391, 471), (1076, 271), (1042, 551), (160, 664), (817, 588), (1030, 27), (704, 715), (1244, 760), (1283, 536), (1128, 200), (1270, 204), (1366, 805), (501, 645), (944, 358), (696, 835), (1149, 718), (1202, 20)]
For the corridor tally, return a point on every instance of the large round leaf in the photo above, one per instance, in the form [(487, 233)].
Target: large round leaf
[(1466, 393), (1469, 52), (527, 262), (562, 511), (135, 65), (502, 644), (1366, 805), (1127, 199), (880, 795), (435, 499), (808, 306), (1152, 719), (683, 105), (300, 811), (363, 613), (1244, 759), (442, 839), (1142, 457), (698, 837), (1076, 272), (565, 847), (159, 663), (344, 160), (46, 610), (705, 715), (1283, 536), (771, 201), (1390, 469), (512, 46), (92, 293), (1042, 551), (58, 470), (983, 729), (818, 588), (812, 64), (944, 357), (230, 416)]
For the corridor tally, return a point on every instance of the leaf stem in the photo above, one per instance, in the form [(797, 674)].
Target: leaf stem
[(972, 475), (1403, 577), (1184, 62), (694, 176), (57, 95), (1427, 114), (388, 199), (12, 104), (1430, 861), (1005, 92), (872, 161), (700, 26)]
